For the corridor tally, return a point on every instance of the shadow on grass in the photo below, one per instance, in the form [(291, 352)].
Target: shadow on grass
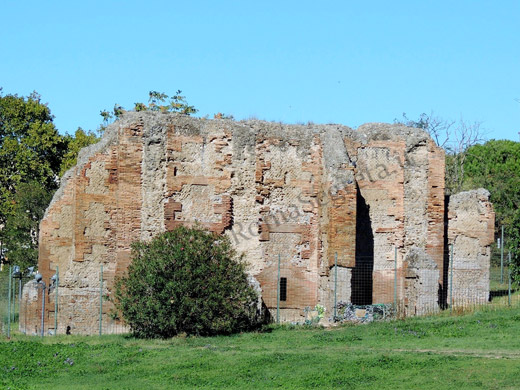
[(500, 293)]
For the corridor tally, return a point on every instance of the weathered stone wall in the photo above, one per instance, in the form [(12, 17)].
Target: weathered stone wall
[(421, 283), (471, 232), (301, 194), (400, 173), (30, 312)]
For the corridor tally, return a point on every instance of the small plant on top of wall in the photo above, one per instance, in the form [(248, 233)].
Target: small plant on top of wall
[(157, 101), (186, 281)]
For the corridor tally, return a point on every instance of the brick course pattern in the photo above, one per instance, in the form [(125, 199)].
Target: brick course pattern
[(306, 193)]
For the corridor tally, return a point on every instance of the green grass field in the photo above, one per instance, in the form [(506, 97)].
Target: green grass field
[(474, 351)]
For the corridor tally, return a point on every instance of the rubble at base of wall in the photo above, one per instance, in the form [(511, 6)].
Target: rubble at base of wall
[(347, 312)]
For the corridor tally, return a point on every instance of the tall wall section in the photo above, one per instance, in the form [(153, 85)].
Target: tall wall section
[(471, 232), (304, 197), (400, 174)]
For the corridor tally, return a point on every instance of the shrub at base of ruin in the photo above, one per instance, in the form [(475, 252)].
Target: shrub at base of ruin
[(186, 281)]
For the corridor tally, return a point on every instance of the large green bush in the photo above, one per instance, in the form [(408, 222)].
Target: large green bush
[(186, 280)]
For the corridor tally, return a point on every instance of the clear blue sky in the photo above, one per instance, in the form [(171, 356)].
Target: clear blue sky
[(346, 62)]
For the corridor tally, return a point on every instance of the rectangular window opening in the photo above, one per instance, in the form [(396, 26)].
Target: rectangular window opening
[(283, 289)]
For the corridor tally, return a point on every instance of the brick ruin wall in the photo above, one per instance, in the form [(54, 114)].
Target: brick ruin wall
[(305, 193), (471, 232)]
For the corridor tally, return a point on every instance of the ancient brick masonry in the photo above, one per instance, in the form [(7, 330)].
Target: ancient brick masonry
[(304, 194), (471, 228)]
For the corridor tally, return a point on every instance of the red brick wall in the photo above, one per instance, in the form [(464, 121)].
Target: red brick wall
[(265, 185)]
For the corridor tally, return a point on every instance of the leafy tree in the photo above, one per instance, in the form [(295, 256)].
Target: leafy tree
[(75, 143), (31, 151), (186, 280), (495, 165), (513, 243), (30, 147), (20, 235)]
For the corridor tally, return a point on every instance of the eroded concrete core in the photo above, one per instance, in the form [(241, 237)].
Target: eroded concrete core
[(315, 195), (471, 232)]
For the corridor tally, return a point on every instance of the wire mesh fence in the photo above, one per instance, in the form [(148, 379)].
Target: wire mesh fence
[(11, 282), (375, 288), (5, 298), (382, 289), (31, 307)]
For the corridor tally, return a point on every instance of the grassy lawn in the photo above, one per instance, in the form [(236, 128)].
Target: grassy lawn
[(474, 351)]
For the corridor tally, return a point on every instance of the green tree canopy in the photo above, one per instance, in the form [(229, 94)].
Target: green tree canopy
[(20, 234), (33, 156), (31, 152), (31, 149), (495, 165), (75, 143)]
